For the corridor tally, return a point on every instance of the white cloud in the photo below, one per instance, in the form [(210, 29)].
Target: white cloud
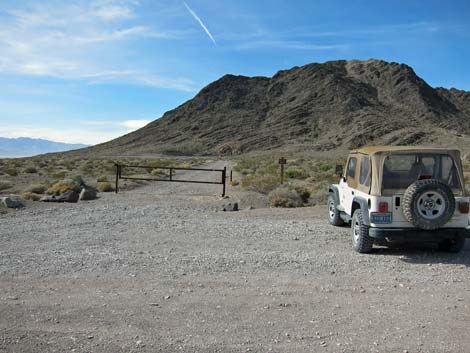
[(71, 41), (110, 12)]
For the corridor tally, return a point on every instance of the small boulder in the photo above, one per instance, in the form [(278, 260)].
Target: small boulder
[(230, 207), (12, 201), (87, 194), (68, 196), (48, 199)]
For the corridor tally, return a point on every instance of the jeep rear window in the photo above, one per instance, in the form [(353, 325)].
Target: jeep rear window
[(401, 170)]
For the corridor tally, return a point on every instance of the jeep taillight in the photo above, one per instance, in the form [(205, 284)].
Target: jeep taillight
[(464, 207), (383, 207)]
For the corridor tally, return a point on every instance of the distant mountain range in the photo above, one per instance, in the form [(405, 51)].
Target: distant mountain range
[(333, 106), (26, 147)]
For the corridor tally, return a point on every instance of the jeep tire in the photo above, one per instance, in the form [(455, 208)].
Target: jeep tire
[(362, 242), (453, 244), (333, 212), (428, 204)]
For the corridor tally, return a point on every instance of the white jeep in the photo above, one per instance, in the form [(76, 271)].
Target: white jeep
[(393, 194)]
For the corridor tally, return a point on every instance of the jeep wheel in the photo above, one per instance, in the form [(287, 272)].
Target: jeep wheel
[(428, 204), (333, 213), (362, 242), (452, 245)]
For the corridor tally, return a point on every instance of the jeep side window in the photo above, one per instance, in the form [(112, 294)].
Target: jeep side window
[(364, 175), (352, 168)]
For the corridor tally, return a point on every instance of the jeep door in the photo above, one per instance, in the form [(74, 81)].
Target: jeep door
[(348, 184)]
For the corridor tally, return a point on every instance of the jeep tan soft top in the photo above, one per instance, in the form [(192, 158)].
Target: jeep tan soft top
[(378, 154)]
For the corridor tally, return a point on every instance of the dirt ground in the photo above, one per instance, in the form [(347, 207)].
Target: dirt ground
[(162, 269)]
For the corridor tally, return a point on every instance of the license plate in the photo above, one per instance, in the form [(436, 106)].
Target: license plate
[(381, 218)]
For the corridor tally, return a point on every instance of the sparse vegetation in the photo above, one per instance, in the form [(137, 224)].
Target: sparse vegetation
[(189, 148), (304, 178), (5, 185), (11, 171), (295, 173), (102, 179), (283, 196), (30, 170), (30, 196), (37, 189), (50, 175), (59, 175), (260, 183)]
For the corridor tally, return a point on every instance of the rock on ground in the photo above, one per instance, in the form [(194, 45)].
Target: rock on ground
[(12, 201)]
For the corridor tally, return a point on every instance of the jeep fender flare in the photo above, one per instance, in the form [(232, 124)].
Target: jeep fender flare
[(361, 203), (333, 189)]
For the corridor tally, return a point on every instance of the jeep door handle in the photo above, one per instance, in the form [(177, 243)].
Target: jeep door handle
[(352, 192)]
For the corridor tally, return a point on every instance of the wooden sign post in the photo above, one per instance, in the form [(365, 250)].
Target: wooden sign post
[(282, 162)]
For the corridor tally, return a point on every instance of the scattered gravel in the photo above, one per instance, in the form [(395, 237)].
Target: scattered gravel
[(163, 269)]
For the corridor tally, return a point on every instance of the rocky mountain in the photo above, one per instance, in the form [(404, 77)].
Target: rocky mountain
[(26, 147), (320, 107)]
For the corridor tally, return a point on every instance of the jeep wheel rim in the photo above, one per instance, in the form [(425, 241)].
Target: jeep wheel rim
[(332, 209), (431, 205), (356, 230)]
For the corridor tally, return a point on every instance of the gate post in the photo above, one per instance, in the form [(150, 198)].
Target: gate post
[(117, 178), (224, 176)]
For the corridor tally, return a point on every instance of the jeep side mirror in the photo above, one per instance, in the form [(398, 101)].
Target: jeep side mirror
[(339, 170)]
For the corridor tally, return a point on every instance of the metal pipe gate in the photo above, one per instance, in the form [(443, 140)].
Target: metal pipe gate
[(171, 179)]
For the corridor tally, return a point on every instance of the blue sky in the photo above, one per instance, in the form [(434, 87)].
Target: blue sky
[(89, 71)]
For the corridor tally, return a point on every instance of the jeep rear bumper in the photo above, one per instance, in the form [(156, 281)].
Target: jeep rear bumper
[(418, 234)]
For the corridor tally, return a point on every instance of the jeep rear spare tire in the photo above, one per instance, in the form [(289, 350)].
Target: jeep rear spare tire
[(428, 204)]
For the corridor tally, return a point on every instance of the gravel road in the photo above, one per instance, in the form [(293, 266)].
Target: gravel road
[(161, 269)]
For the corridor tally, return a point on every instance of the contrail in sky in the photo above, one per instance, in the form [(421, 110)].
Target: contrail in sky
[(200, 22)]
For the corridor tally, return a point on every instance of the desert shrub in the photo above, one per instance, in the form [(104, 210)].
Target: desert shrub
[(88, 168), (158, 172), (30, 170), (30, 196), (59, 175), (102, 179), (295, 173), (37, 189), (75, 184), (105, 187), (108, 166), (260, 183), (5, 185), (11, 171), (284, 197), (325, 167), (247, 165), (68, 163), (189, 148), (303, 192), (162, 163), (319, 194)]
